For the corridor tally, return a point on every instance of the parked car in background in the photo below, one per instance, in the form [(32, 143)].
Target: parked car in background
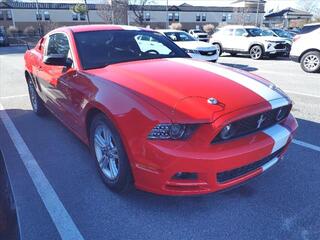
[(195, 48), (165, 122), (279, 33), (199, 35), (306, 48), (248, 40)]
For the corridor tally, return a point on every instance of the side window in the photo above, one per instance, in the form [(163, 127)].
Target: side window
[(239, 32), (227, 32), (58, 44)]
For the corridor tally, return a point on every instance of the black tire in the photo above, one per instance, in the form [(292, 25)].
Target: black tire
[(256, 52), (123, 181), (310, 62), (36, 102), (219, 48)]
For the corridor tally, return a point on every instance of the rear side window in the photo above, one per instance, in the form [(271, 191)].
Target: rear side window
[(308, 29)]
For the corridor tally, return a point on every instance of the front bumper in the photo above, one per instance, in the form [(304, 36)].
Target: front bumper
[(211, 58), (163, 160), (277, 49)]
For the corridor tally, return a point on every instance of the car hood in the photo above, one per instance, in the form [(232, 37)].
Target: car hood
[(181, 87), (270, 38), (196, 45)]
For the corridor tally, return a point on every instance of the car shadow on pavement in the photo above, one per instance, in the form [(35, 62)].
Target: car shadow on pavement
[(240, 66), (13, 50), (263, 59)]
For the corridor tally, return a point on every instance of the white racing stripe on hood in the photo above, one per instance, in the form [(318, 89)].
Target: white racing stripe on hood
[(280, 136), (257, 87), (270, 164)]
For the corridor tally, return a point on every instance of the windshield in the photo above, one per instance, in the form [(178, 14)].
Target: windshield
[(179, 36), (282, 33), (98, 49), (254, 32)]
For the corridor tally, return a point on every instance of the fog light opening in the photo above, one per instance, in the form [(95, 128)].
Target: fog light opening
[(185, 176)]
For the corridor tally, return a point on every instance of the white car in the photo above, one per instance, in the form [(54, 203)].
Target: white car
[(199, 35), (306, 48), (195, 49), (248, 40)]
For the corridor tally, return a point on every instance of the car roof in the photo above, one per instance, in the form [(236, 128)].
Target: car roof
[(312, 24), (99, 27), (169, 30), (238, 26)]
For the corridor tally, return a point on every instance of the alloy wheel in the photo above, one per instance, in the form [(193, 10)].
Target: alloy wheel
[(256, 52), (33, 96), (311, 62), (106, 152)]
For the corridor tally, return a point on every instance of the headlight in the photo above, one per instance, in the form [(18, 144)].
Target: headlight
[(227, 132), (165, 131), (191, 51)]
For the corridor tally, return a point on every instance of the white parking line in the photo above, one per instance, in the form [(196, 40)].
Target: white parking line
[(306, 145), (15, 96), (59, 215), (302, 94)]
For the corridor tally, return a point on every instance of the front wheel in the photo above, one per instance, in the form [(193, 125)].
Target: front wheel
[(110, 155), (36, 102), (256, 52), (310, 62), (218, 47)]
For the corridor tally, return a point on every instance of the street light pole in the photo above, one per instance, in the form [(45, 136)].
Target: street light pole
[(257, 14), (37, 17), (167, 17), (87, 11)]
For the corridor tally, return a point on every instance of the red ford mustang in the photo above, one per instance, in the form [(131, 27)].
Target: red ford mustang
[(154, 117)]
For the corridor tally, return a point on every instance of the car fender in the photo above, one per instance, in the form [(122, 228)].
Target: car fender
[(257, 43)]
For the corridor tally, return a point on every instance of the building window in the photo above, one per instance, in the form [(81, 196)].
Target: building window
[(198, 17), (82, 16), (9, 15), (38, 16), (46, 16), (74, 16), (1, 15), (147, 17), (204, 17), (170, 17), (176, 17), (229, 16), (224, 18)]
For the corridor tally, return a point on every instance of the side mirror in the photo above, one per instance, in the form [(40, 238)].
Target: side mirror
[(58, 60), (245, 34)]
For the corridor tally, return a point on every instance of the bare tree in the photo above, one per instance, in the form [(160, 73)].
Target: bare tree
[(311, 6), (240, 15), (111, 11), (138, 7)]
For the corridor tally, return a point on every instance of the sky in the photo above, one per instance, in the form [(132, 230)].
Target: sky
[(271, 4)]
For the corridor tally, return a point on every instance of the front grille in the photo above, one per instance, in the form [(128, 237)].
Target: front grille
[(254, 123), (280, 46), (208, 53), (225, 176)]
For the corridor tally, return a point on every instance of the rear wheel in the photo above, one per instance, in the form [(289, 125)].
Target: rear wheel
[(109, 153), (310, 62), (256, 52), (36, 102)]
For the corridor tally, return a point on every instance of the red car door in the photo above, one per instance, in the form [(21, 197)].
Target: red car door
[(55, 79)]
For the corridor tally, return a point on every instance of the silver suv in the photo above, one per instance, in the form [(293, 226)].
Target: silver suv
[(248, 40)]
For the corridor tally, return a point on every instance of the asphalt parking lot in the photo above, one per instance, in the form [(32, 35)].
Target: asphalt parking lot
[(281, 204)]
